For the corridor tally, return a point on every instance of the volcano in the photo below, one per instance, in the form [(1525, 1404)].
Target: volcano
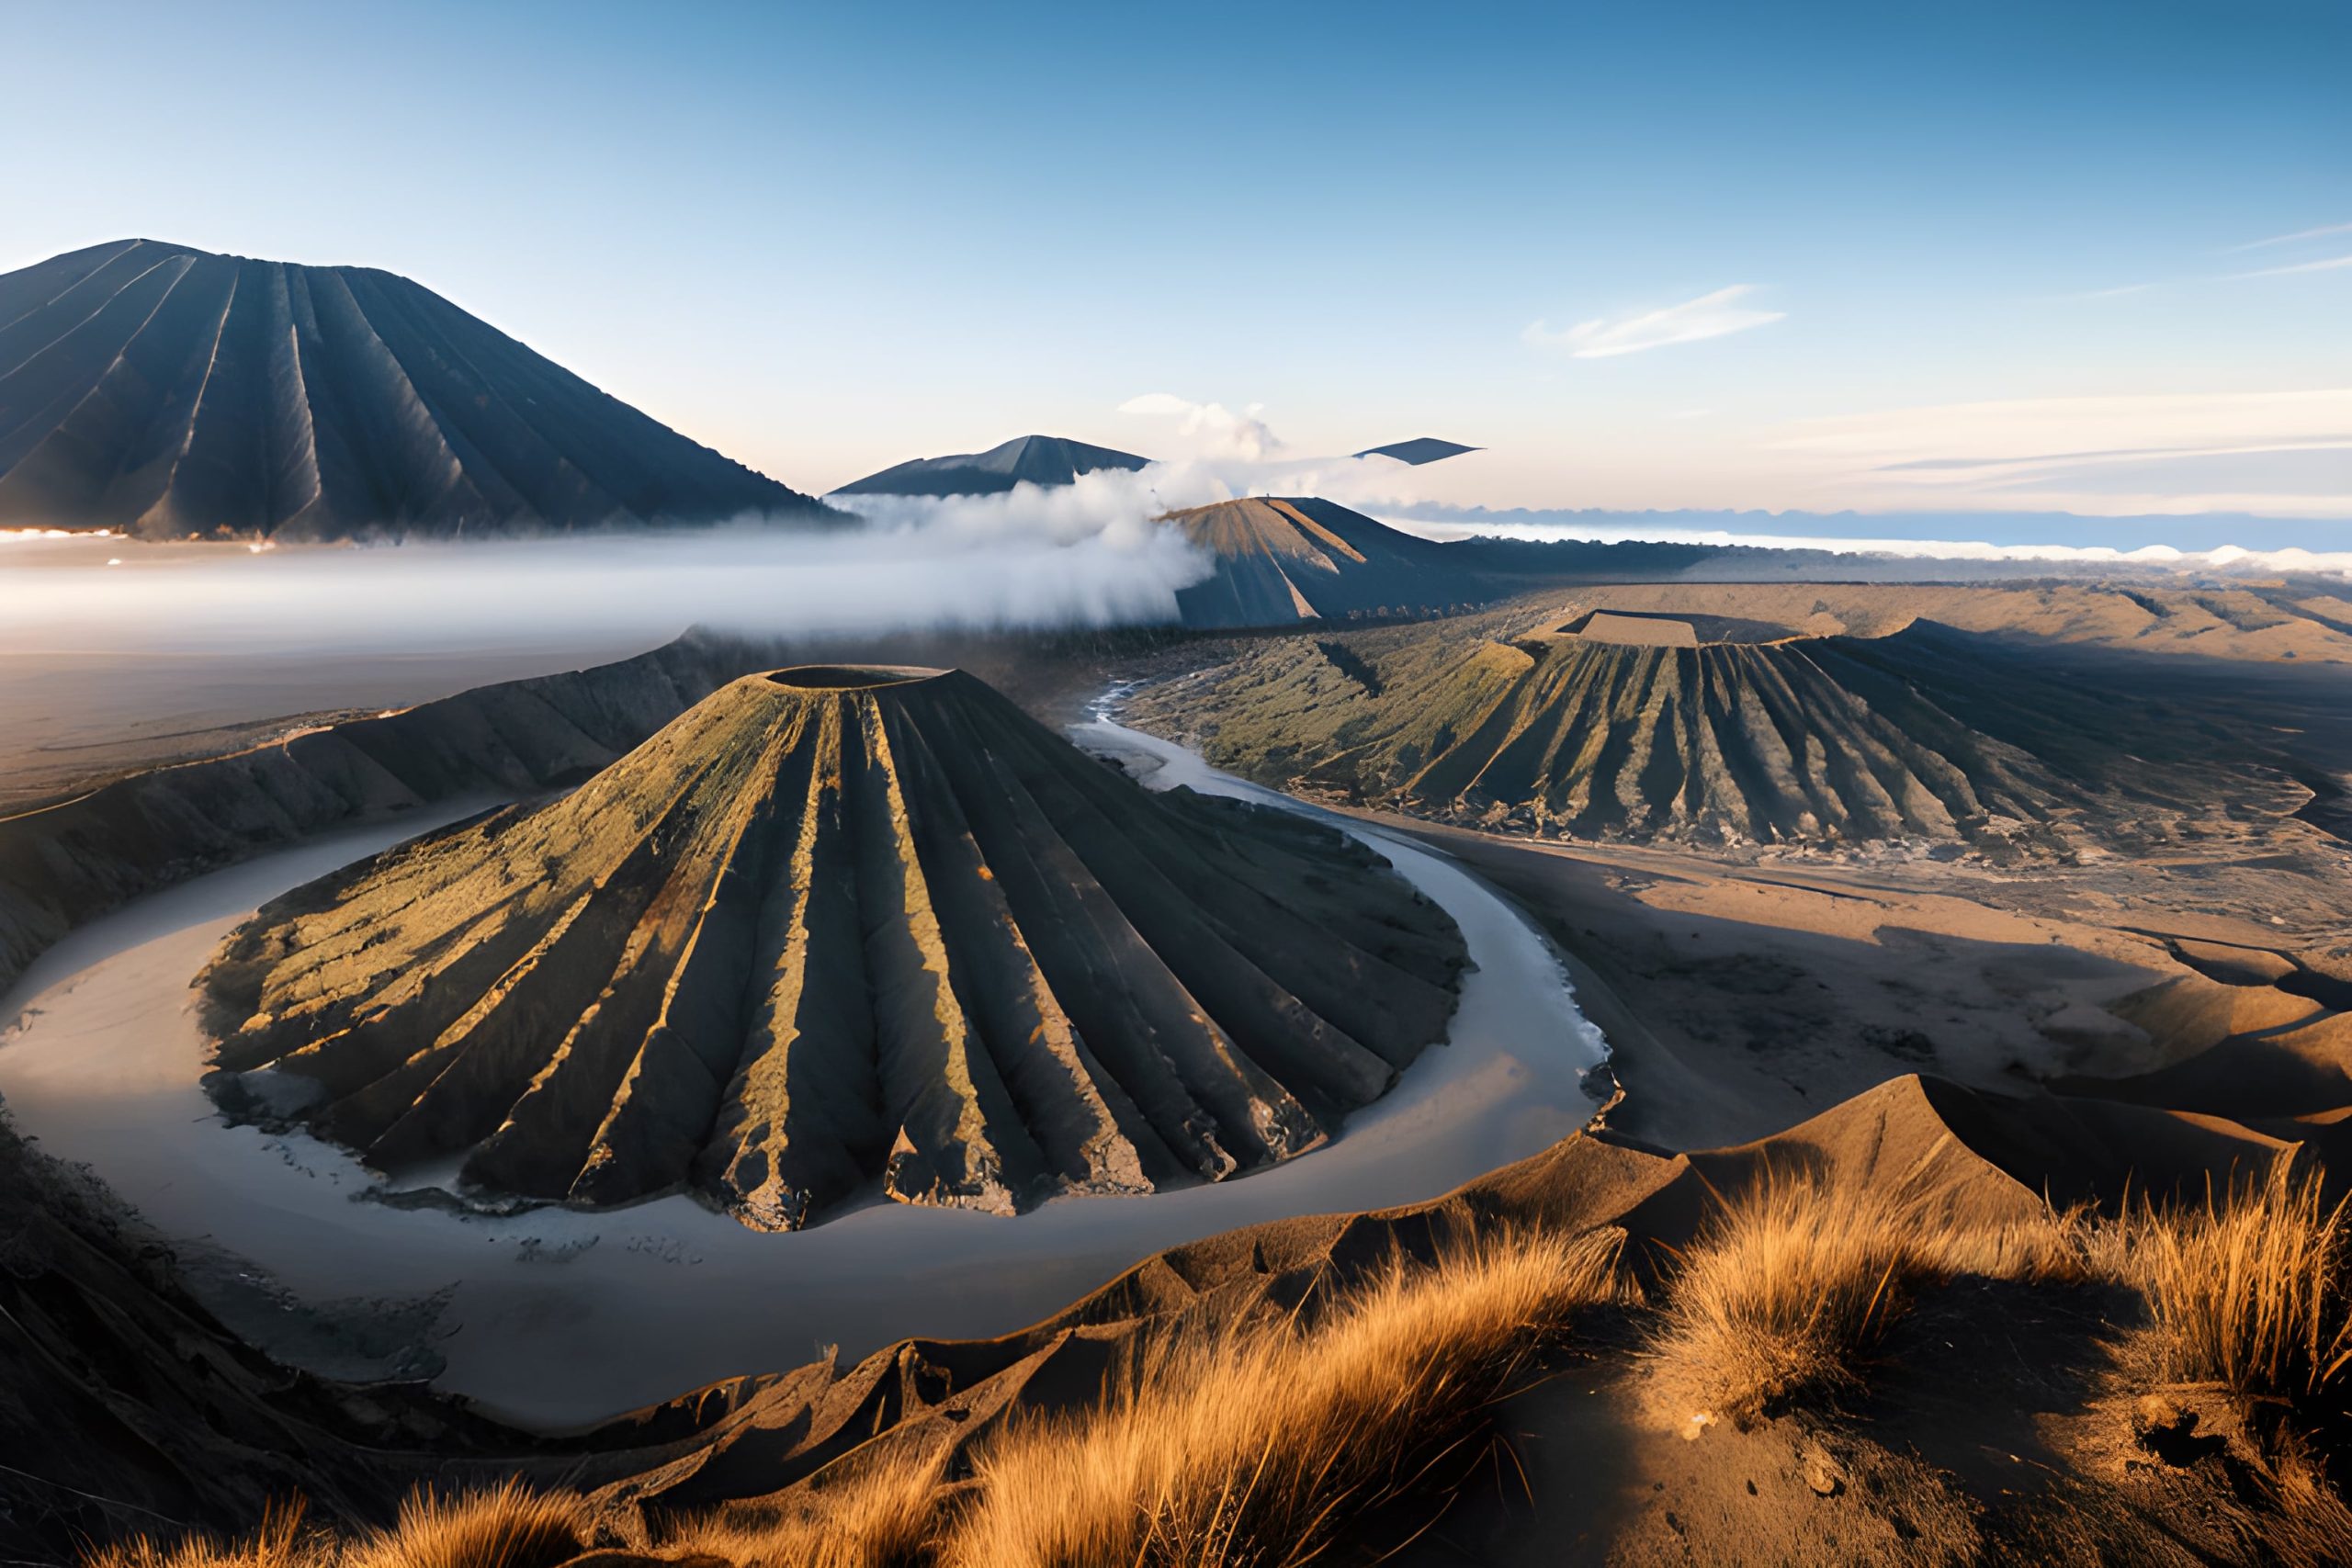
[(1718, 730), (1304, 560), (1026, 459), (166, 392), (835, 926)]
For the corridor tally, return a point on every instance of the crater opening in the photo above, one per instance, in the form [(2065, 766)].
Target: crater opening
[(847, 677)]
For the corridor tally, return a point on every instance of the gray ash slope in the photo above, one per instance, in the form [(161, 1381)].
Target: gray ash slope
[(838, 925), (163, 391), (1285, 559), (1026, 459)]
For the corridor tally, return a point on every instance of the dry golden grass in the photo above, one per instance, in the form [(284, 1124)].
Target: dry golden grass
[(281, 1541), (859, 1516), (1253, 1445), (1250, 1444), (1784, 1293), (1246, 1446), (507, 1526), (2252, 1288)]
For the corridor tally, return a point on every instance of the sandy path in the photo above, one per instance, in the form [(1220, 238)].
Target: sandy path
[(556, 1317)]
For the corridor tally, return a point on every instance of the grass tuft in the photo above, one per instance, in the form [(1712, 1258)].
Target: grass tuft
[(281, 1541), (1254, 1445), (1783, 1293), (2252, 1288), (1786, 1292), (507, 1526), (861, 1515)]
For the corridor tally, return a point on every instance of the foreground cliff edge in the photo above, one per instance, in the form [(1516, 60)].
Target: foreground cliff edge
[(1870, 1338)]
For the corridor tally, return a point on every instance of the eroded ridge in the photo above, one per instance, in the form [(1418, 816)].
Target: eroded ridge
[(832, 925)]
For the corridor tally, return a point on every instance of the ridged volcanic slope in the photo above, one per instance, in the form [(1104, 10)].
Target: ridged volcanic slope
[(165, 392), (831, 925), (1927, 733), (1300, 559)]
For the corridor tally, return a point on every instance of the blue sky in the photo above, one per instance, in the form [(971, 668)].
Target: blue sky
[(1872, 256)]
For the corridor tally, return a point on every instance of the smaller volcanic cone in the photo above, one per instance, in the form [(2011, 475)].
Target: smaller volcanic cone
[(836, 925)]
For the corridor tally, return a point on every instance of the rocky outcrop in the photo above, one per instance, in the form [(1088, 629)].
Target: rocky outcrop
[(163, 391), (1024, 459), (835, 925), (1280, 562)]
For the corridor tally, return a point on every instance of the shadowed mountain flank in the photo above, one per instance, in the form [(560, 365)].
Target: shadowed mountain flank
[(1926, 734), (1024, 459), (1301, 559), (167, 392), (835, 925)]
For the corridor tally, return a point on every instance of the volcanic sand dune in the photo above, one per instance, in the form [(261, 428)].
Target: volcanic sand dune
[(116, 1414), (1957, 1157), (1279, 561), (1927, 733), (831, 925), (2247, 1047), (1024, 459), (163, 391)]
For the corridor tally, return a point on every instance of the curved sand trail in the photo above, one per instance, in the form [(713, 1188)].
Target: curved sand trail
[(556, 1317)]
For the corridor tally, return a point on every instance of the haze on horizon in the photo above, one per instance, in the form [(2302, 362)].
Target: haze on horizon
[(2008, 260)]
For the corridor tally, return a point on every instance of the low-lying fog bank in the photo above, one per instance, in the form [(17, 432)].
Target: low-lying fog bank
[(942, 572), (556, 1317), (116, 653)]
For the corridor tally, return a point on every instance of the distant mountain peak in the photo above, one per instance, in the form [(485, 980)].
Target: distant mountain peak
[(1281, 559), (1418, 450), (1024, 459), (158, 389)]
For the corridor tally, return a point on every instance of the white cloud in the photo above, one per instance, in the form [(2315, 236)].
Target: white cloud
[(1664, 530), (2329, 264), (1076, 556), (2281, 454), (1217, 431), (2320, 232), (1709, 315), (2056, 427)]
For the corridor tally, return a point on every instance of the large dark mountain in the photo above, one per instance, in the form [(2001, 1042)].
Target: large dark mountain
[(1304, 559), (1030, 459), (832, 925), (165, 392)]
